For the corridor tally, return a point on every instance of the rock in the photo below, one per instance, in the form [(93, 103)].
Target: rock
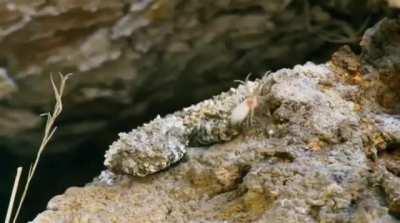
[(380, 54), (380, 46), (308, 155), (112, 47), (391, 184), (305, 158), (134, 59), (391, 159), (390, 126), (7, 86), (394, 3)]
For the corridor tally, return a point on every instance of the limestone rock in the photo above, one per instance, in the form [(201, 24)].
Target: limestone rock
[(305, 159)]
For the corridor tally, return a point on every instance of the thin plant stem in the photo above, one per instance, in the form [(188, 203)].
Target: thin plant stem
[(48, 134), (13, 193)]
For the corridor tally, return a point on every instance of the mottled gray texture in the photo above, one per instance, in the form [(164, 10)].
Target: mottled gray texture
[(391, 185), (150, 148), (389, 125), (162, 142), (306, 158), (381, 46), (209, 121)]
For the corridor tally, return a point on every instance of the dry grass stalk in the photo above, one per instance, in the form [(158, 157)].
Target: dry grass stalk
[(48, 134), (13, 193)]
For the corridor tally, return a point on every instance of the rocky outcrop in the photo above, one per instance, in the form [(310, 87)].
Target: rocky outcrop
[(322, 146), (133, 59), (112, 47)]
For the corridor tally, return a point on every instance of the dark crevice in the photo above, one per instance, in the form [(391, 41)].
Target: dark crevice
[(278, 156), (252, 10), (244, 169), (314, 212), (391, 158)]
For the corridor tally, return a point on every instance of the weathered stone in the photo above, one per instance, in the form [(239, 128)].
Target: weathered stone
[(133, 57), (394, 3), (391, 185), (304, 159), (381, 46), (113, 47), (7, 86)]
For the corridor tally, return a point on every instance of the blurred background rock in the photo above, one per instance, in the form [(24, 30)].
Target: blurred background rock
[(133, 59)]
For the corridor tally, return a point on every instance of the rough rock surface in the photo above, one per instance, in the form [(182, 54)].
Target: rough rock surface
[(323, 148), (132, 59), (112, 47), (139, 154), (149, 149)]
